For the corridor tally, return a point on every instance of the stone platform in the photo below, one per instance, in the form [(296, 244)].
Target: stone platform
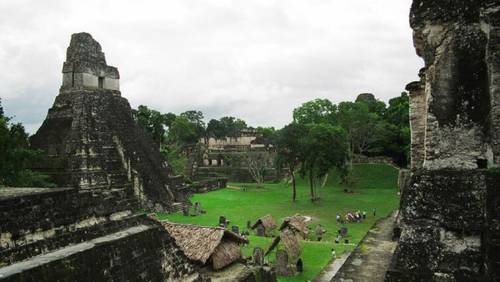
[(371, 259)]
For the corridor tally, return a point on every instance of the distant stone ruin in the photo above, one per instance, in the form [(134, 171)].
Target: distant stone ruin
[(222, 157), (450, 208), (92, 139)]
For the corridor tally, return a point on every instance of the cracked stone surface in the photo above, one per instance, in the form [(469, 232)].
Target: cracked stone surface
[(450, 217)]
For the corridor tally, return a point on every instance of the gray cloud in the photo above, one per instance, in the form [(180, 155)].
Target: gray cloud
[(257, 59)]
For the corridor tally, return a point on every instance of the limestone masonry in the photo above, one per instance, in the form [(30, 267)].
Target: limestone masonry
[(450, 208)]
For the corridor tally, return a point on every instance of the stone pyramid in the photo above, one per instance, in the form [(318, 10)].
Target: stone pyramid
[(92, 139)]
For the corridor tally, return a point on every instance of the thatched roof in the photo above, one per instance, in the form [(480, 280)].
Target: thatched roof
[(199, 242), (297, 224), (267, 221), (290, 241), (225, 253)]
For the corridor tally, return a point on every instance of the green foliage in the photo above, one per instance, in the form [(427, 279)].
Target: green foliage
[(28, 178), (376, 189), (197, 124), (374, 106), (324, 147), (362, 126), (16, 157), (397, 113), (226, 126), (215, 129), (176, 158), (154, 122), (316, 111), (290, 151), (183, 132), (266, 135), (371, 128), (397, 141)]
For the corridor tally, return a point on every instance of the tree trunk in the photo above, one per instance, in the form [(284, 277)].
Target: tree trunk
[(294, 195), (311, 184), (325, 179)]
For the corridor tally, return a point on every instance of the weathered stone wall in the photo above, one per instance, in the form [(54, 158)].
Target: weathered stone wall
[(453, 46), (418, 122), (86, 66), (490, 25), (140, 253), (444, 226), (450, 219), (234, 173), (34, 221), (208, 184), (492, 232)]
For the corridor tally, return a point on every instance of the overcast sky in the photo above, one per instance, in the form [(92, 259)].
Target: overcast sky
[(253, 59)]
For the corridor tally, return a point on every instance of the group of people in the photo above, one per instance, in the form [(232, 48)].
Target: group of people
[(357, 216)]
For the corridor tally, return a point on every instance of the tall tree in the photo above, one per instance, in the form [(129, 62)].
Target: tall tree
[(290, 150), (154, 122), (266, 135), (184, 132), (325, 147), (196, 119), (398, 139), (215, 129), (360, 124), (374, 105), (316, 111), (232, 126)]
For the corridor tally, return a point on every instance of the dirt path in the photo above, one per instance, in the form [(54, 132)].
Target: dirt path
[(370, 261)]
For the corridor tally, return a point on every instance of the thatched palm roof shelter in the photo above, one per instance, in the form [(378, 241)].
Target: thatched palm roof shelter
[(297, 224), (267, 222), (206, 245), (291, 242), (293, 229)]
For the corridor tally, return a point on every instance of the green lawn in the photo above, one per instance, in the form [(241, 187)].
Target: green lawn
[(376, 189)]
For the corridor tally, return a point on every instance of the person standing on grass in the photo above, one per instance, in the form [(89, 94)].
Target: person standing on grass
[(374, 212), (319, 232), (334, 254)]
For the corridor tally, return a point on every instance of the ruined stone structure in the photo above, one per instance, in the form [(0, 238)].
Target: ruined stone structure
[(66, 234), (92, 231), (450, 208), (221, 157), (92, 139)]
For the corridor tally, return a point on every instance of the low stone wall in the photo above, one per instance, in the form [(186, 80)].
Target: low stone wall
[(362, 159), (238, 174), (208, 184)]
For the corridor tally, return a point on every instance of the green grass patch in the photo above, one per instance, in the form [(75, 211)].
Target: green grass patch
[(376, 189)]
